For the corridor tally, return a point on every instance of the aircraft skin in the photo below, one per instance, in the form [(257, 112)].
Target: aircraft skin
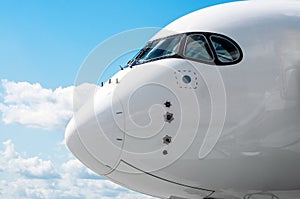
[(224, 125)]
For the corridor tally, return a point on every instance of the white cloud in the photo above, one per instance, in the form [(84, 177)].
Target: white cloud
[(73, 181), (32, 167), (53, 189), (9, 151), (34, 106), (75, 169)]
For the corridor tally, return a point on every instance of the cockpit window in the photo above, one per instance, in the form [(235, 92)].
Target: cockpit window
[(205, 47), (226, 51), (160, 48), (196, 47)]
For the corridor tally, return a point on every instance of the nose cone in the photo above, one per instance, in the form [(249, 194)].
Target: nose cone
[(95, 134)]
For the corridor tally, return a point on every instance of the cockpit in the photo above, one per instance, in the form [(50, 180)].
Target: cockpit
[(204, 47)]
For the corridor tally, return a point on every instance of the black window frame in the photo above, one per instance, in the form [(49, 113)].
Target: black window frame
[(198, 60), (216, 60), (180, 55), (228, 41)]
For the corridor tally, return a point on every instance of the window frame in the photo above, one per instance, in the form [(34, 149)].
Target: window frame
[(176, 55), (208, 45), (230, 41), (182, 45), (216, 61)]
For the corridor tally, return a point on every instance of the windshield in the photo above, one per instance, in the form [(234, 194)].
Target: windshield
[(157, 49), (204, 47)]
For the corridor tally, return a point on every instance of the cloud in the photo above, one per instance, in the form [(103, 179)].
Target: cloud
[(34, 106), (9, 152), (75, 169), (35, 168), (32, 167), (53, 189), (33, 177)]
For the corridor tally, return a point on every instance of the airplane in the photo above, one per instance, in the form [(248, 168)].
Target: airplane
[(209, 108)]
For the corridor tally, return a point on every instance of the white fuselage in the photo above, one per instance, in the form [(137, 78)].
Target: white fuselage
[(229, 130)]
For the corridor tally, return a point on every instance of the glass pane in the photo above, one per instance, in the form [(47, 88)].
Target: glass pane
[(225, 50), (196, 47), (160, 48)]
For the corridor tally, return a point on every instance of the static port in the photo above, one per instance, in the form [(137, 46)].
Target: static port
[(168, 104), (169, 117), (167, 139)]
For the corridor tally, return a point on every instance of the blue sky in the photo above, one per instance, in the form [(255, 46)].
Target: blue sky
[(42, 45)]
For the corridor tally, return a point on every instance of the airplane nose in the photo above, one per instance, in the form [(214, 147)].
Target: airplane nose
[(95, 134)]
